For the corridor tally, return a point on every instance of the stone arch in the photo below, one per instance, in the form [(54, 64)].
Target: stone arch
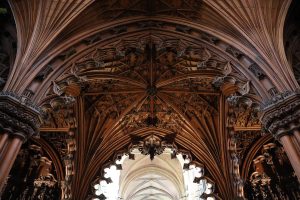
[(223, 76), (134, 166)]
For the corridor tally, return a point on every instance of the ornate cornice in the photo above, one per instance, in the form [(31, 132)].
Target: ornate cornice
[(18, 115), (282, 115)]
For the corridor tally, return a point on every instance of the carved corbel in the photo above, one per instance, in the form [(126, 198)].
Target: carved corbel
[(239, 97), (234, 52), (18, 115), (67, 91), (281, 115), (69, 87), (257, 71), (58, 114), (227, 84)]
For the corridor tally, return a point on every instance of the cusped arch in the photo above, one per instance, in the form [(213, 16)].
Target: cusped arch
[(198, 127)]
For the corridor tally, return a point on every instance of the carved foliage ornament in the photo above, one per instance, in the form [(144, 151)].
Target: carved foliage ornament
[(153, 145), (172, 57), (123, 72), (58, 114), (243, 113), (246, 113), (283, 115), (18, 115)]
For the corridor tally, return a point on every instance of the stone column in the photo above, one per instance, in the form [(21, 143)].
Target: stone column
[(281, 118), (3, 142), (290, 145), (19, 120), (8, 157), (297, 135)]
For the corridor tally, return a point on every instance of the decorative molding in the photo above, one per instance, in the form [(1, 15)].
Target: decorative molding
[(65, 144), (32, 171), (242, 122), (282, 115), (65, 129), (153, 145), (270, 170), (19, 115), (120, 94), (276, 97)]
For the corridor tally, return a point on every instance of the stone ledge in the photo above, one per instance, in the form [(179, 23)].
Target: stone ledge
[(18, 115), (283, 116)]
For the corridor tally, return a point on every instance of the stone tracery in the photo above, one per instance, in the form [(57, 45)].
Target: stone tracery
[(171, 175)]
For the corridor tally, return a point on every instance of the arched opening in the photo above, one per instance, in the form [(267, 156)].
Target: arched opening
[(170, 175), (150, 81)]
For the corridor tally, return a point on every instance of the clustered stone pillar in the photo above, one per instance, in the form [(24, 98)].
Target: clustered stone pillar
[(19, 120), (292, 147), (282, 119), (9, 152)]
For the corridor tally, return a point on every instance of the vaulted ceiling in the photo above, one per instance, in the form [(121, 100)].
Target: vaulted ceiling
[(8, 42), (142, 178), (111, 70), (145, 84)]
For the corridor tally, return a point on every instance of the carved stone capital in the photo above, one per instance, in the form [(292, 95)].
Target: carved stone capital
[(18, 115), (283, 115)]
